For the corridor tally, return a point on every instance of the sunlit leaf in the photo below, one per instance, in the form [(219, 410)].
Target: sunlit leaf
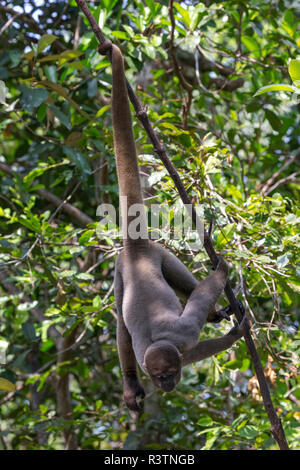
[(6, 385), (45, 41), (252, 45), (294, 70), (279, 87)]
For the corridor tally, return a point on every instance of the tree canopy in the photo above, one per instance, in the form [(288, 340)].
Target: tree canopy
[(220, 81)]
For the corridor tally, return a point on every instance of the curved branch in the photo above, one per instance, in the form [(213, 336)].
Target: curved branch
[(271, 183)]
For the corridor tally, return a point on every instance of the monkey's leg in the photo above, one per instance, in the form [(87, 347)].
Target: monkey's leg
[(176, 273), (204, 297), (210, 347), (131, 385)]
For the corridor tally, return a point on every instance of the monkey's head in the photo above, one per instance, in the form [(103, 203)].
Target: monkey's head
[(163, 362)]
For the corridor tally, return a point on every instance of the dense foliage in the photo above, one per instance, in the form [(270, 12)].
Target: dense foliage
[(238, 156)]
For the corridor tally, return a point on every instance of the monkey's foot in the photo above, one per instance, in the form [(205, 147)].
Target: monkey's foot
[(224, 313)]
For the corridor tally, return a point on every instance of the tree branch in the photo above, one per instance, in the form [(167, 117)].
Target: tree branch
[(62, 391), (271, 184)]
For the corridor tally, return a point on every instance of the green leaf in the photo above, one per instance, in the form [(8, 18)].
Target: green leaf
[(294, 70), (92, 88), (129, 30), (45, 41), (245, 365), (42, 111), (184, 13), (67, 273), (15, 57), (51, 73), (60, 116), (29, 331), (102, 110), (32, 224), (226, 234), (211, 439), (85, 236), (151, 5), (78, 159), (289, 17), (98, 404), (120, 35), (28, 179), (32, 97), (252, 45), (273, 120), (233, 364), (205, 421), (97, 302), (278, 87), (6, 385), (108, 4), (20, 361), (249, 432), (85, 276), (289, 24)]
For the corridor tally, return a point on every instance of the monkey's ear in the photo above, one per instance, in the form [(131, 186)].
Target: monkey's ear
[(144, 367)]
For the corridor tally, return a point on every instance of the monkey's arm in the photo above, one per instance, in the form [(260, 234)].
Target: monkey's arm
[(131, 385), (210, 347), (180, 278)]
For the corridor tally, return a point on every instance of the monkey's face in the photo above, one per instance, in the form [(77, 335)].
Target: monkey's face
[(164, 368), (166, 380)]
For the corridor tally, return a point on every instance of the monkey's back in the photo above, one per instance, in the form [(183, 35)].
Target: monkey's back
[(149, 305)]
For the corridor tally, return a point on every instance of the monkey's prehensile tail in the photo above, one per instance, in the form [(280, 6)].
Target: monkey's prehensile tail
[(126, 158)]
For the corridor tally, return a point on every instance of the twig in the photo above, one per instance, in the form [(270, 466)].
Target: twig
[(8, 23), (292, 178), (270, 183), (276, 426), (77, 32), (61, 387)]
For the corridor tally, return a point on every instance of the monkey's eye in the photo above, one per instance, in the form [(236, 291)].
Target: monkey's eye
[(163, 377)]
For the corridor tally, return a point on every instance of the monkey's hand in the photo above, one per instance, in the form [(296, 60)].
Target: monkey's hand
[(239, 329), (133, 390), (224, 313)]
